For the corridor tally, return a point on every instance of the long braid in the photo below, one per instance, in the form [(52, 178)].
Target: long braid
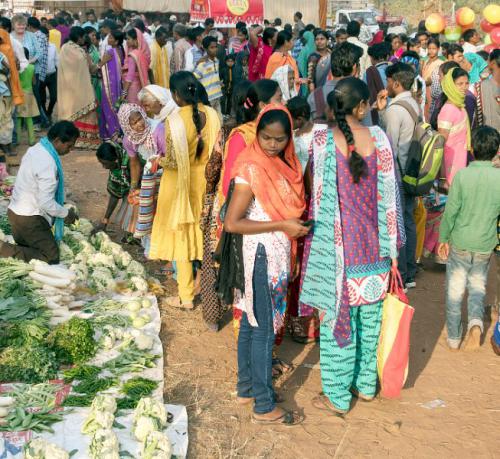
[(357, 165), (196, 119)]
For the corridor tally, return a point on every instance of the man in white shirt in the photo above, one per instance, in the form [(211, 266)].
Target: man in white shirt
[(353, 30), (471, 41), (104, 29), (34, 208)]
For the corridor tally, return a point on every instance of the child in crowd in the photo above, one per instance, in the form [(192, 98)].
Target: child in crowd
[(227, 77), (207, 72), (29, 109), (302, 128), (115, 159), (471, 231)]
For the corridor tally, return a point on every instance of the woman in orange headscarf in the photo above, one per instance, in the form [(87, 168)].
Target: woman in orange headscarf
[(265, 207), (11, 94), (281, 57), (15, 85)]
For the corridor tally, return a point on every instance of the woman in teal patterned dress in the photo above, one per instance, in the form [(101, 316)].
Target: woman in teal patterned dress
[(346, 271)]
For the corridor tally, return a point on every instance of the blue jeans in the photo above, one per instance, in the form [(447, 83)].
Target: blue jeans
[(255, 344), (465, 270), (407, 259)]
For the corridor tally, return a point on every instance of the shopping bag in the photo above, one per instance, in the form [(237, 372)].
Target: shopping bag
[(394, 343)]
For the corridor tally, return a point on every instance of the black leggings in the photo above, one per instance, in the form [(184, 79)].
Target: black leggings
[(50, 83)]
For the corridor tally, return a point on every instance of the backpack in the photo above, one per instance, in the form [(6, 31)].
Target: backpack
[(424, 157)]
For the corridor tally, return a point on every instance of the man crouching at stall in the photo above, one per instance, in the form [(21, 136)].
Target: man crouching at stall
[(36, 211)]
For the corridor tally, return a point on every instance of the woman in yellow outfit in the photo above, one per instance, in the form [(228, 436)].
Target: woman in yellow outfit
[(191, 134)]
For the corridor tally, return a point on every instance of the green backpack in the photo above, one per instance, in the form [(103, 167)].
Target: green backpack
[(424, 157)]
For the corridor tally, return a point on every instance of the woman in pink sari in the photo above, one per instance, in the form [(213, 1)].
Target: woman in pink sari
[(136, 68), (453, 125), (261, 49)]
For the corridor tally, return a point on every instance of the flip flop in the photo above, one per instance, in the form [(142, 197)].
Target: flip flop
[(323, 403), (361, 396), (287, 419), (278, 398)]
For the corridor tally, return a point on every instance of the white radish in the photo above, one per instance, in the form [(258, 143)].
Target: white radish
[(4, 412), (54, 299), (67, 298), (59, 272), (62, 312), (76, 304), (53, 305), (52, 281), (7, 401)]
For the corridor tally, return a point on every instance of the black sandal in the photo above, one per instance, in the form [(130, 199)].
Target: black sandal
[(280, 367), (287, 419)]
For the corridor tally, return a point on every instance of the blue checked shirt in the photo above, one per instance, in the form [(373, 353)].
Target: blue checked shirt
[(42, 45)]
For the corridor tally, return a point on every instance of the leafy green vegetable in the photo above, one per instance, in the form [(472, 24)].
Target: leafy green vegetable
[(23, 332), (21, 308), (94, 385), (5, 224), (131, 360), (139, 387), (81, 372), (31, 363), (78, 400), (39, 421), (73, 341)]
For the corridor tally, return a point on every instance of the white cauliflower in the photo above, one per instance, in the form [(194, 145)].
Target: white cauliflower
[(156, 446), (101, 259), (135, 269), (84, 226), (102, 280), (138, 284), (98, 420), (144, 425), (151, 407), (99, 238), (143, 341), (104, 445), (39, 448), (81, 270), (104, 402), (65, 253)]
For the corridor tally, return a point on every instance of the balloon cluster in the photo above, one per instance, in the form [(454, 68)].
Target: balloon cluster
[(464, 20)]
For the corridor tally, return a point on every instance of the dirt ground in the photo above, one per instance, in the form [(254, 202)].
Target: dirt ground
[(200, 372)]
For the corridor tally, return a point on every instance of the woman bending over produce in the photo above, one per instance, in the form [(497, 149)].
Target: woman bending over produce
[(37, 202)]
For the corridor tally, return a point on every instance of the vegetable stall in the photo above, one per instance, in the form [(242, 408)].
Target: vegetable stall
[(81, 362)]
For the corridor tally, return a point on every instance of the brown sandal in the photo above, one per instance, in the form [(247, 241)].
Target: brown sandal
[(361, 396), (322, 402)]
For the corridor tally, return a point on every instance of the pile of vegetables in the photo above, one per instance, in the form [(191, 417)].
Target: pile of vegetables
[(59, 323)]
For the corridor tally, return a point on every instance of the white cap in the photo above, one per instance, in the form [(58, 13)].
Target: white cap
[(173, 18)]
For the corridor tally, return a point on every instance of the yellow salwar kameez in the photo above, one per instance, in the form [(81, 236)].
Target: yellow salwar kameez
[(175, 238)]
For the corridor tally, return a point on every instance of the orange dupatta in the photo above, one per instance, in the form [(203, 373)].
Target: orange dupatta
[(142, 58), (276, 184), (15, 83), (278, 60)]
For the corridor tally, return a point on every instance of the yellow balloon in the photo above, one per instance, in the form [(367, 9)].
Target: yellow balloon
[(435, 23), (492, 13)]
